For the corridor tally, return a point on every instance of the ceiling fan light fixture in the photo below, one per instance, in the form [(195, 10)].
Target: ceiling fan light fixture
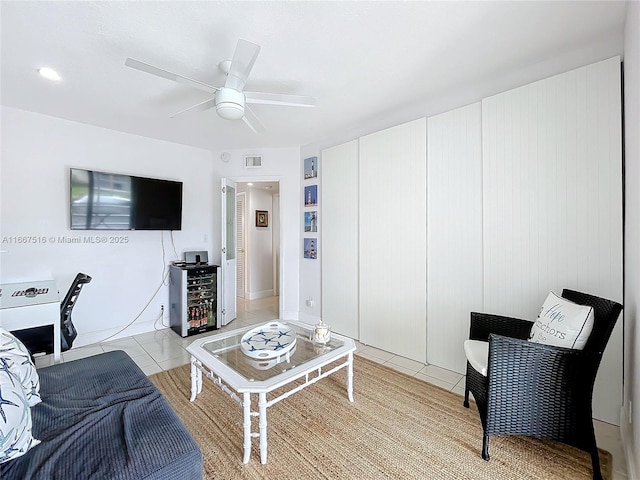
[(230, 103), (230, 111)]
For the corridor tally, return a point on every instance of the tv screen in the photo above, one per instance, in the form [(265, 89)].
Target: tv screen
[(109, 201)]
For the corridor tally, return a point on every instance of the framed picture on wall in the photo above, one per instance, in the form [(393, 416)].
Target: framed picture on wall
[(311, 248), (311, 195), (262, 218), (310, 167), (311, 221)]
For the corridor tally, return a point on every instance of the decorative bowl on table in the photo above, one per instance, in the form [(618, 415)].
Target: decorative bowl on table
[(271, 340)]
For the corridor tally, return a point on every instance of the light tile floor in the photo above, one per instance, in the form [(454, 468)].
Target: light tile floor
[(164, 349)]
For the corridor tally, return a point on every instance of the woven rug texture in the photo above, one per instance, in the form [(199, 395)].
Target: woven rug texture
[(399, 427)]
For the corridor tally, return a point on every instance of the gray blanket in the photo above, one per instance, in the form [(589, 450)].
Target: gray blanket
[(101, 418)]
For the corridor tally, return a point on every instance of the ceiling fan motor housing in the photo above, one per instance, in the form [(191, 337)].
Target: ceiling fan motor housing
[(230, 103)]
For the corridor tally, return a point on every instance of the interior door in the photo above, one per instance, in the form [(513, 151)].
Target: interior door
[(228, 255), (240, 247)]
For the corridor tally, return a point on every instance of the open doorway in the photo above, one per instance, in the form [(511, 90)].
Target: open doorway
[(258, 246)]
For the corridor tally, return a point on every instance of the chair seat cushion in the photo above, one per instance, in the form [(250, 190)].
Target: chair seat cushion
[(562, 323), (477, 353)]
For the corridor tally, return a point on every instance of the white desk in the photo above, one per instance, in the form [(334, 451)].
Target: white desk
[(19, 311)]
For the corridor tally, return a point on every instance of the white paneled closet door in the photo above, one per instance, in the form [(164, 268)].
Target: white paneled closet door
[(393, 239), (240, 245), (553, 201), (340, 238), (454, 232)]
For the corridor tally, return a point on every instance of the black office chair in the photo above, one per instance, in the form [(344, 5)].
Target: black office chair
[(40, 339), (539, 390)]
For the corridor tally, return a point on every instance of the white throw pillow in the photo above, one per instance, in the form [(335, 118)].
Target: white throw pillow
[(562, 323), (15, 358), (15, 419), (10, 343)]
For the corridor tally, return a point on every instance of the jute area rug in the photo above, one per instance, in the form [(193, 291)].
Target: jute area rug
[(399, 427)]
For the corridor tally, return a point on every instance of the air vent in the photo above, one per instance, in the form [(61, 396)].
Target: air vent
[(253, 161)]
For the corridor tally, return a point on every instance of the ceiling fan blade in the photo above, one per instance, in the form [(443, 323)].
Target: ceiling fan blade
[(252, 121), (145, 67), (241, 64), (279, 99), (199, 107)]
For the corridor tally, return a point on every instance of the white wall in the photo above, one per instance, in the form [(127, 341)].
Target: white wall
[(283, 165), (310, 277), (260, 245), (631, 432), (276, 243), (37, 152)]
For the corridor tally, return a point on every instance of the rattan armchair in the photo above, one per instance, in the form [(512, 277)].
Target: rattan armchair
[(539, 390)]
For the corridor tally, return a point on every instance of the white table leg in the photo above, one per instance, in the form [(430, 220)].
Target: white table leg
[(199, 376), (194, 379), (262, 410), (246, 409), (350, 378)]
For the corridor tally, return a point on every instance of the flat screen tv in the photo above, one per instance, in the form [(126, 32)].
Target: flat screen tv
[(109, 201)]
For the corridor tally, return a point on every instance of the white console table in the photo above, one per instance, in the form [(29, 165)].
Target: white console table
[(19, 311)]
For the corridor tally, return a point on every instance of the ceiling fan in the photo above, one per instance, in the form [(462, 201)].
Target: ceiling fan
[(230, 101)]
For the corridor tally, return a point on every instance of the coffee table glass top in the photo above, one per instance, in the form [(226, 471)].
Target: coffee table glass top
[(227, 349)]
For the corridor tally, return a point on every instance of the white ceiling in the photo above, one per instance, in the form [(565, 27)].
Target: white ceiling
[(360, 60), (271, 187)]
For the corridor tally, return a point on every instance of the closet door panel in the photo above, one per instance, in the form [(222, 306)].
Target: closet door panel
[(552, 169), (393, 239), (454, 232), (340, 238)]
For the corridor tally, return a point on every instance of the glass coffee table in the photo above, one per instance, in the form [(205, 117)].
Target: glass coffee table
[(241, 372)]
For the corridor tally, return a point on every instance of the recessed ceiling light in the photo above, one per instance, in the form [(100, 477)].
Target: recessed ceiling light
[(49, 74), (250, 184)]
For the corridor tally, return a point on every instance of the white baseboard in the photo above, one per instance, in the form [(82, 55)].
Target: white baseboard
[(628, 446), (257, 295)]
